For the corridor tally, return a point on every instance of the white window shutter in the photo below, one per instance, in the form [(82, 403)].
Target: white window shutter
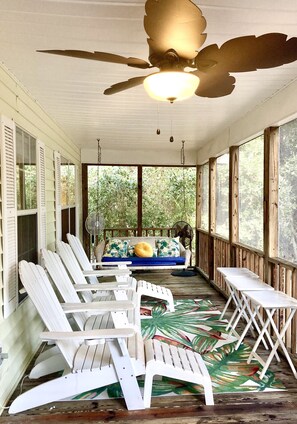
[(41, 203), (9, 216), (57, 160)]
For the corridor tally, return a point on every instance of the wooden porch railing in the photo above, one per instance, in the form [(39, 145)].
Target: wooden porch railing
[(133, 232), (278, 273)]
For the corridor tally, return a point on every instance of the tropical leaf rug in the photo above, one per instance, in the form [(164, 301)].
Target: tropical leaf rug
[(195, 325)]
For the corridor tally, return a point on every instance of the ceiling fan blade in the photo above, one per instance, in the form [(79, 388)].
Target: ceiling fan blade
[(102, 57), (124, 85), (250, 53), (174, 24), (214, 84)]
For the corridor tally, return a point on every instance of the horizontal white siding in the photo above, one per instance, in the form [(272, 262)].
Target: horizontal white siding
[(19, 334)]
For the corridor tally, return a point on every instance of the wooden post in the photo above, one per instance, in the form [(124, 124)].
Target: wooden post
[(198, 211), (233, 202), (139, 201), (271, 142), (84, 186), (212, 216)]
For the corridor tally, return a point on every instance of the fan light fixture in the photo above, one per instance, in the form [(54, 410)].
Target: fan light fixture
[(171, 85)]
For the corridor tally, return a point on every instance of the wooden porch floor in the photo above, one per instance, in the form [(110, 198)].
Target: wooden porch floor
[(272, 407)]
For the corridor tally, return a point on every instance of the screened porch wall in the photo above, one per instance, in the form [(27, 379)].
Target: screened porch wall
[(214, 251)]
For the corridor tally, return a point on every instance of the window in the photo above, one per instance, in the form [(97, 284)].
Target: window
[(251, 160), (205, 197), (287, 204), (169, 195), (68, 212), (113, 190), (26, 183), (222, 196), (23, 205)]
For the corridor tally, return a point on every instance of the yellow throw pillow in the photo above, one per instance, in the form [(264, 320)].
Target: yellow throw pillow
[(143, 250)]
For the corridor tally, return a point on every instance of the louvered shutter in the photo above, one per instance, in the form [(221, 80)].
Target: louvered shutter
[(57, 160), (41, 204), (9, 216)]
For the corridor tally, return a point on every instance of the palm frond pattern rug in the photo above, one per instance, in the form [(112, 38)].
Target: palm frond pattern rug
[(196, 325)]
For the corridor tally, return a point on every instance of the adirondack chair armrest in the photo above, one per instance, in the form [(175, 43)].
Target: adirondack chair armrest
[(107, 272), (99, 307), (115, 263), (102, 286), (91, 335)]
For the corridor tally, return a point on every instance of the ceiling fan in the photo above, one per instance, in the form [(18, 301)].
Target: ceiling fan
[(175, 35)]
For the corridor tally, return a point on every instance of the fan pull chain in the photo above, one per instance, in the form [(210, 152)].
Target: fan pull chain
[(158, 132), (171, 139)]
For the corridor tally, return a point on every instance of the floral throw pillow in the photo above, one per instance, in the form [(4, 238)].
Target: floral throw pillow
[(117, 248), (167, 247), (131, 250)]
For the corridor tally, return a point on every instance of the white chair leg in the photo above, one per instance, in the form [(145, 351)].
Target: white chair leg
[(148, 385), (208, 394)]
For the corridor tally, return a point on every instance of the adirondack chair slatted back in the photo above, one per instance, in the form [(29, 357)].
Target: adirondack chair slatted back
[(79, 252), (84, 262), (42, 294), (63, 283), (72, 266)]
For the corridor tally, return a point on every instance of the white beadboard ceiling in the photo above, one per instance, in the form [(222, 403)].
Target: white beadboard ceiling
[(71, 90)]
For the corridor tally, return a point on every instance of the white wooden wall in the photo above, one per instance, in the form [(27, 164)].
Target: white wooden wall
[(19, 333)]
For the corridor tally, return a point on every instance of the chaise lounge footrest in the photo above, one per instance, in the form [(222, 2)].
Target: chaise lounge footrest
[(173, 362), (144, 288)]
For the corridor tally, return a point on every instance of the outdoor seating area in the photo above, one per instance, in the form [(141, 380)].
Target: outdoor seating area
[(104, 345), (148, 252), (237, 404), (148, 233), (105, 342)]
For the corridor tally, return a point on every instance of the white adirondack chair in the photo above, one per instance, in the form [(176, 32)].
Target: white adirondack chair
[(51, 359), (96, 358), (144, 288), (79, 278), (69, 293), (83, 259)]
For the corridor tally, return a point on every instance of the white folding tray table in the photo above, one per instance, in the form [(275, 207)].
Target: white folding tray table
[(233, 272), (242, 309), (271, 301)]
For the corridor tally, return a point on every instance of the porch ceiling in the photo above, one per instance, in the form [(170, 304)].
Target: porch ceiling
[(71, 90)]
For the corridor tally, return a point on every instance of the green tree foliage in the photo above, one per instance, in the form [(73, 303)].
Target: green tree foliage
[(251, 160), (222, 196), (288, 192), (205, 197), (113, 190), (169, 195)]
